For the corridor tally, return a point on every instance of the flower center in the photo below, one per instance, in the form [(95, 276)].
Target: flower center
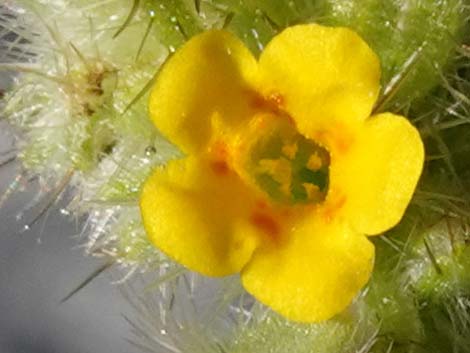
[(289, 167)]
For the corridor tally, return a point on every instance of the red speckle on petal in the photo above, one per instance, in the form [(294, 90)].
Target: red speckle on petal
[(220, 167), (333, 208), (267, 225), (258, 102), (272, 103), (339, 139)]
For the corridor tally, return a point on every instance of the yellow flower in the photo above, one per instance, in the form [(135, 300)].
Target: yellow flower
[(285, 172)]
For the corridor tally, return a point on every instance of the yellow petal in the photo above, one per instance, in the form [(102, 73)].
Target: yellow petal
[(320, 76), (379, 175), (191, 211), (206, 80), (314, 274)]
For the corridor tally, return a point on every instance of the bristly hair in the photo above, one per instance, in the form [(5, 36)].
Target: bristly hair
[(78, 108)]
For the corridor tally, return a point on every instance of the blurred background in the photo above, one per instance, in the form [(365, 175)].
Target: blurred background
[(39, 267)]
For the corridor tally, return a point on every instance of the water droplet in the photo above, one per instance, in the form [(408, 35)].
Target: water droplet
[(386, 300), (256, 36), (150, 150)]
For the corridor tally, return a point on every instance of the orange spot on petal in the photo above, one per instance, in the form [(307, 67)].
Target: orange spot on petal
[(218, 157), (272, 103), (344, 143), (258, 102), (220, 167), (261, 204), (334, 207), (339, 140), (219, 149), (267, 225)]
